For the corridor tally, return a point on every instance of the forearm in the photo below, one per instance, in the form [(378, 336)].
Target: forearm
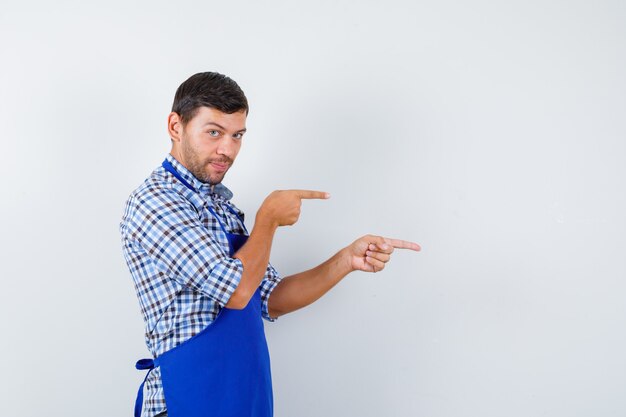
[(299, 290), (280, 208), (255, 256)]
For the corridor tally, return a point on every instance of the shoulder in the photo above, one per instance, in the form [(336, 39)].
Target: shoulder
[(157, 196), (153, 190)]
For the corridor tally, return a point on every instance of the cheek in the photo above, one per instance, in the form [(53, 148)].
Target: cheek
[(203, 148), (194, 150)]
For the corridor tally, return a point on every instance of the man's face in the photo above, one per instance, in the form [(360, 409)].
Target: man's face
[(210, 142)]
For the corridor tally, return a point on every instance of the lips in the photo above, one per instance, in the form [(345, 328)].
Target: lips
[(219, 166)]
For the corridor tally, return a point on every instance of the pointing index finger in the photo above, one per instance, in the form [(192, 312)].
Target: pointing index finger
[(310, 194), (403, 244)]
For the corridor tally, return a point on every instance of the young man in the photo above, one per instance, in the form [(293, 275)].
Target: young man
[(203, 283)]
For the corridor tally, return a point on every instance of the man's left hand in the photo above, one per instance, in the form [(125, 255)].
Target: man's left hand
[(370, 253)]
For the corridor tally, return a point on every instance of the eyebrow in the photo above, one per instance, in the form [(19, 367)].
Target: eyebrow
[(222, 127)]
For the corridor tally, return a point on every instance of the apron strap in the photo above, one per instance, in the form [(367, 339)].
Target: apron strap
[(141, 365), (169, 167)]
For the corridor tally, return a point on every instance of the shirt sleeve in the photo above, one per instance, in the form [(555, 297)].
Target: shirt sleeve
[(270, 281), (168, 228)]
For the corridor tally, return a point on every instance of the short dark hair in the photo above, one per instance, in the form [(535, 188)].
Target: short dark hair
[(208, 89)]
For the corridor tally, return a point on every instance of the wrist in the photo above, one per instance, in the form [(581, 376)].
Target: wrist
[(265, 223), (345, 261)]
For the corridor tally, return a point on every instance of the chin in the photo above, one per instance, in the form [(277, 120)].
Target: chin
[(215, 179), (208, 177)]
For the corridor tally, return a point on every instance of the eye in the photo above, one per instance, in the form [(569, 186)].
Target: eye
[(214, 133), (238, 135)]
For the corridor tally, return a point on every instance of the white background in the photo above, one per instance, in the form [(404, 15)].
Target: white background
[(492, 133)]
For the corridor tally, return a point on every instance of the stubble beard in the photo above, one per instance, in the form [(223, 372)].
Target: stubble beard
[(199, 168)]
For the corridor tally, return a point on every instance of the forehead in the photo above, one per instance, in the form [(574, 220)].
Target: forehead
[(207, 116)]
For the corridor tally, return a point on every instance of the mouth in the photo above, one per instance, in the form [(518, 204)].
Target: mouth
[(219, 167)]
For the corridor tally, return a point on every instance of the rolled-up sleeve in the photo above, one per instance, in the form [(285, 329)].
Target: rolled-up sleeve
[(168, 228), (270, 281)]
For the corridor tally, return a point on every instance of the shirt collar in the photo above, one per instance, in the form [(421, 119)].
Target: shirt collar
[(202, 188)]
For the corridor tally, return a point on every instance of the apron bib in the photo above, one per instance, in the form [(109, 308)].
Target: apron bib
[(223, 371)]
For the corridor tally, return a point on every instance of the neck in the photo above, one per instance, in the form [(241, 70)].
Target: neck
[(178, 156)]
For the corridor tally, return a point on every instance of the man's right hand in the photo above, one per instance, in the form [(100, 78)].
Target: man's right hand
[(282, 207)]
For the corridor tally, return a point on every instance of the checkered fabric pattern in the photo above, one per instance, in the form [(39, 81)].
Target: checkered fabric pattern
[(178, 258)]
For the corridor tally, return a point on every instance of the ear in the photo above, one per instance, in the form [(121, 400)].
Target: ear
[(174, 126)]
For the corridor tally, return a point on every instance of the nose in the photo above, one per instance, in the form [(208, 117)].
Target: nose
[(227, 147)]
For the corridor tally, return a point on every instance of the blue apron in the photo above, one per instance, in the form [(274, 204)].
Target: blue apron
[(223, 371)]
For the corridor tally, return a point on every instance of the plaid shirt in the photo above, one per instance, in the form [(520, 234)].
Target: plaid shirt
[(178, 257)]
